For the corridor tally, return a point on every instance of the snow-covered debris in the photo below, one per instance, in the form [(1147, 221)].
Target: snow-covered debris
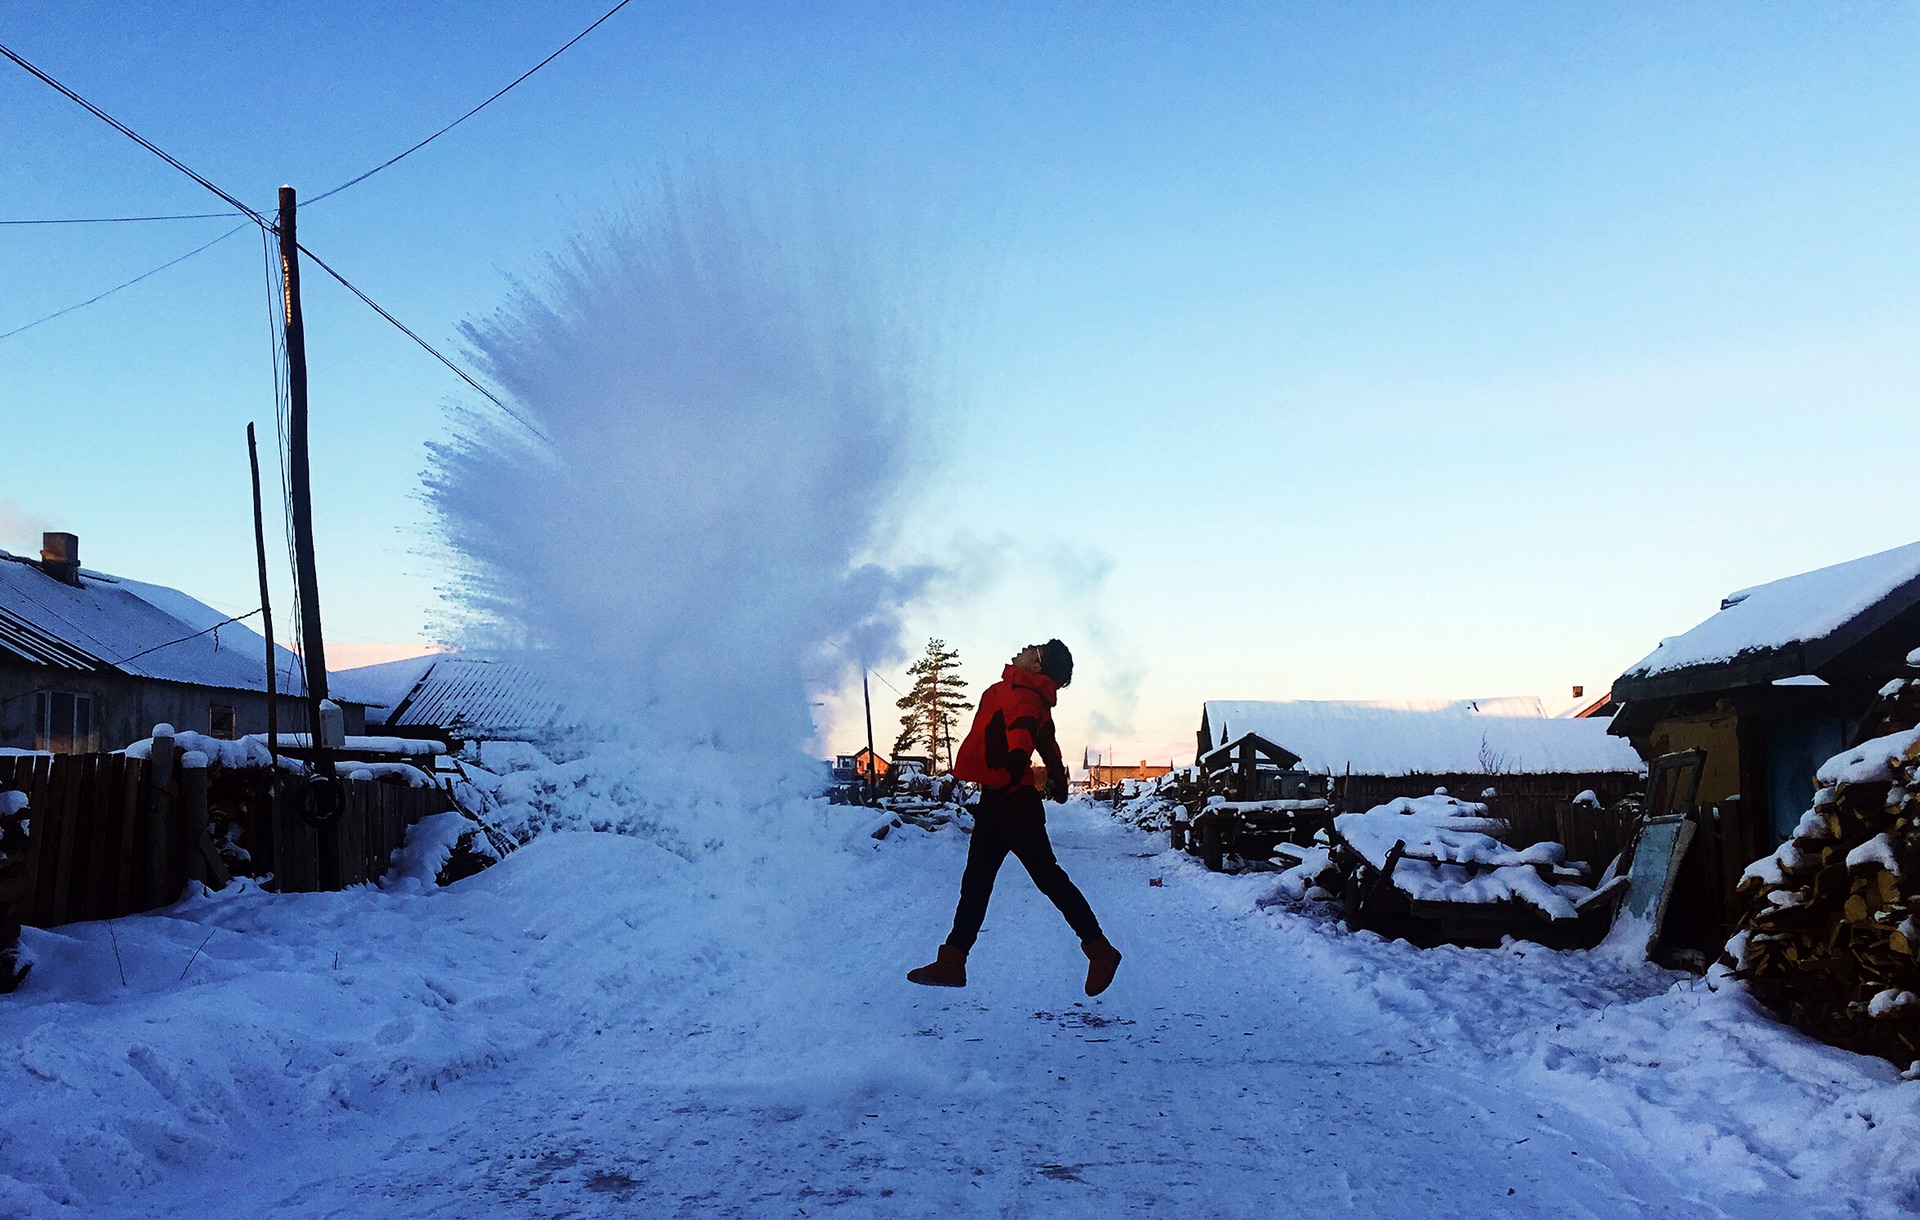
[(1830, 949), (240, 752), (1796, 610), (1448, 856)]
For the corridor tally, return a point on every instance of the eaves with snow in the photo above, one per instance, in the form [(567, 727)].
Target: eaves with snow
[(1843, 622), (113, 624), (1511, 735)]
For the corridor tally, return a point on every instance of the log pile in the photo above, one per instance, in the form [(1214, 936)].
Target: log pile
[(1830, 938)]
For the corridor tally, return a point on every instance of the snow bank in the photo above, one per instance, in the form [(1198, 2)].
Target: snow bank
[(244, 1012), (1687, 1071)]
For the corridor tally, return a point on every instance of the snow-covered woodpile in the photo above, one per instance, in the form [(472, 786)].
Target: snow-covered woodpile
[(1830, 937)]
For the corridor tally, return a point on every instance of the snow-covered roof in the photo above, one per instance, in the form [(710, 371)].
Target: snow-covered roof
[(1790, 620), (1512, 736), (471, 696), (140, 629)]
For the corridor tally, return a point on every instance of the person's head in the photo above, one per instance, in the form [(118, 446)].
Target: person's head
[(1051, 658)]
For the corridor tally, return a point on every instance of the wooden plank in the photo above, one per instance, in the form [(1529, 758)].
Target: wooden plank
[(126, 880), (43, 822), (353, 834), (158, 870), (103, 829), (67, 769)]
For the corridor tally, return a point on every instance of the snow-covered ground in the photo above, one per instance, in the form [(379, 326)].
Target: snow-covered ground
[(600, 1027)]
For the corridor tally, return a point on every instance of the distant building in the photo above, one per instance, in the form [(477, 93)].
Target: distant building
[(92, 662), (1376, 751), (863, 765), (1105, 775), (1768, 688)]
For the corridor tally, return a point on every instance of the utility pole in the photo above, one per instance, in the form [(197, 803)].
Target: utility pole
[(323, 796), (872, 761), (266, 624)]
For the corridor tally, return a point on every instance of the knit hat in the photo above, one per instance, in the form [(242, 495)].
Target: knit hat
[(1056, 662)]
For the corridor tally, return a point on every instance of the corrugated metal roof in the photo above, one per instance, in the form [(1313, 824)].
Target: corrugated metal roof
[(469, 696), (143, 630)]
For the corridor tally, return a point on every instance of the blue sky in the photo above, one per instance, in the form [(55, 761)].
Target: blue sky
[(1299, 350)]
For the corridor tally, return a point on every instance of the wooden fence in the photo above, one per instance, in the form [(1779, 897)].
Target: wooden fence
[(1593, 835), (110, 835)]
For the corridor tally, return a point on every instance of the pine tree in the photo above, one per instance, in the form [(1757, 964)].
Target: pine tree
[(931, 710)]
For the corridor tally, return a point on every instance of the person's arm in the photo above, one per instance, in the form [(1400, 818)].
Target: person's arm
[(1049, 746)]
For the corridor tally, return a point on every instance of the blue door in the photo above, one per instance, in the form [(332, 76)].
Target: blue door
[(1795, 751)]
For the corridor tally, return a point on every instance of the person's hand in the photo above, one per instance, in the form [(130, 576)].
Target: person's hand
[(1057, 785)]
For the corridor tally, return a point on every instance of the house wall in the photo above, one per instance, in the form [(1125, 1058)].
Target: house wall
[(126, 709), (1718, 733)]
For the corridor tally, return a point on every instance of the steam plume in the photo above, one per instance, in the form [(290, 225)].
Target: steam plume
[(725, 393)]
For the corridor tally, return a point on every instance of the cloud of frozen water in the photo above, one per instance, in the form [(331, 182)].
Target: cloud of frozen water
[(726, 389)]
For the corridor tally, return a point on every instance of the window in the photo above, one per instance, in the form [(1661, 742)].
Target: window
[(220, 722), (64, 722)]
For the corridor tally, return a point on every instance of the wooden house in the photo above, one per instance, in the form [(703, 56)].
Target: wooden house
[(1106, 775), (865, 764), (90, 661), (1769, 687)]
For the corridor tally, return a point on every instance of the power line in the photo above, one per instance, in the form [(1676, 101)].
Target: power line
[(428, 347), (135, 136), (130, 283), (268, 226), (469, 114), (117, 220), (355, 181)]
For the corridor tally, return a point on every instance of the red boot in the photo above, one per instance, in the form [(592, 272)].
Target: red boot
[(947, 970), (1102, 960)]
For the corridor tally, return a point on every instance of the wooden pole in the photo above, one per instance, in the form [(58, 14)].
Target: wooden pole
[(872, 761), (313, 654), (273, 667), (322, 797)]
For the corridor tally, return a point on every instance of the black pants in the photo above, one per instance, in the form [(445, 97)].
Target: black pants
[(1014, 822)]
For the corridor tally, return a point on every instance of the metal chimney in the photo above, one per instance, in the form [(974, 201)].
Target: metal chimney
[(60, 557)]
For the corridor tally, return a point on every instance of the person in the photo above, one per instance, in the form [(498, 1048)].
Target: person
[(1014, 722)]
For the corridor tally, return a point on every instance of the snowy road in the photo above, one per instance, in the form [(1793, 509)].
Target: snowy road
[(596, 1029)]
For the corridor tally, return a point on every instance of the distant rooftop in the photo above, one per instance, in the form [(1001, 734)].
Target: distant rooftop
[(1508, 735)]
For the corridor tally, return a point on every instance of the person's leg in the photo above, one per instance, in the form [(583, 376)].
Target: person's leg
[(1027, 839), (984, 856)]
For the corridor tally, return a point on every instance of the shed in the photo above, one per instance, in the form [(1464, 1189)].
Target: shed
[(91, 661), (1377, 751), (1769, 687), (461, 698)]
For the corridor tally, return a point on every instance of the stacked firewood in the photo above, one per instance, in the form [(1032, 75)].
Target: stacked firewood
[(1830, 938)]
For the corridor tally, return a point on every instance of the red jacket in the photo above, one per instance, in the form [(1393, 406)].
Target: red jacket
[(1014, 719)]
